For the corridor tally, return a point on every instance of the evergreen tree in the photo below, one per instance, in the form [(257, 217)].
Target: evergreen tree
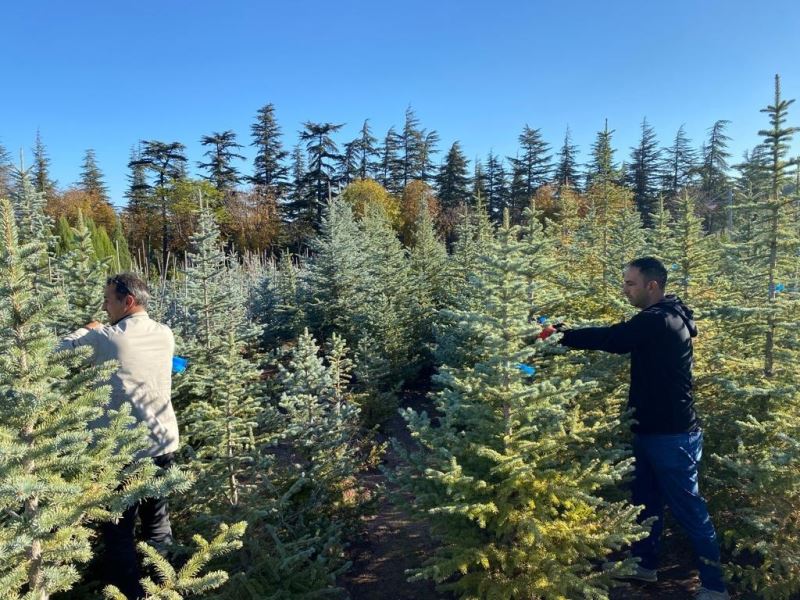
[(6, 169), (299, 184), (660, 241), (752, 395), (428, 147), (696, 255), (207, 310), (322, 420), (478, 179), (280, 300), (509, 477), (122, 254), (567, 169), (680, 164), (753, 173), (418, 146), (167, 162), (625, 242), (715, 188), (138, 187), (777, 140), (57, 476), (223, 419), (644, 171), (347, 170), (428, 265), (518, 194), (188, 580), (533, 160), (41, 168), (235, 440), (390, 169), (496, 187), (412, 139), (220, 391), (544, 280), (610, 237), (65, 237), (602, 167), (82, 274), (453, 180), (32, 222), (367, 151), (221, 171), (571, 207), (91, 178), (334, 274), (358, 288), (473, 233), (103, 247), (322, 154), (385, 314), (269, 171)]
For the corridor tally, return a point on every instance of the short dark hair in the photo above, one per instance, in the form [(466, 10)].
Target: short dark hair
[(130, 283), (651, 269)]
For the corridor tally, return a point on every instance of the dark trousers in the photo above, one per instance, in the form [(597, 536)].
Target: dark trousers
[(665, 473), (119, 563)]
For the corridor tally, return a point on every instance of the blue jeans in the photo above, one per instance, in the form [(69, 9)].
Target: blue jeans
[(665, 473)]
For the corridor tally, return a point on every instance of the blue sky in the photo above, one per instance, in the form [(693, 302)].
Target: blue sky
[(104, 75)]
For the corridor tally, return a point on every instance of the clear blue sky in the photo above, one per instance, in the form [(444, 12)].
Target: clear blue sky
[(104, 75)]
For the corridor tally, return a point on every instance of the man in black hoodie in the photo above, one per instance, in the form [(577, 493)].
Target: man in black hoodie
[(667, 441)]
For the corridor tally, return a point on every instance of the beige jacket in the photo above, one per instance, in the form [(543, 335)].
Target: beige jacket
[(144, 351)]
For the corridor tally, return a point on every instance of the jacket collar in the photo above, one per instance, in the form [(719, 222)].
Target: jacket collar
[(135, 315)]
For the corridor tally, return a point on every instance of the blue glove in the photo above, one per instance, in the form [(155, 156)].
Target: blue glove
[(179, 364)]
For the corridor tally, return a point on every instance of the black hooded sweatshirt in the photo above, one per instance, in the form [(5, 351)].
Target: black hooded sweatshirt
[(659, 340)]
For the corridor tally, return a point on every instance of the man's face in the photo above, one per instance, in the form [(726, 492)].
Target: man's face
[(115, 308), (635, 288)]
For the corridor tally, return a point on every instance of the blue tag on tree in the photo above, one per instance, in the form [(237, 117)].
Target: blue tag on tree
[(529, 370), (179, 364), (779, 288)]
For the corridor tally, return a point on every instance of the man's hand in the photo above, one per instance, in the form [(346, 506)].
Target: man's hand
[(94, 325), (549, 330)]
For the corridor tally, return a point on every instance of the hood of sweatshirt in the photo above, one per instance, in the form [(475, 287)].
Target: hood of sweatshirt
[(676, 306)]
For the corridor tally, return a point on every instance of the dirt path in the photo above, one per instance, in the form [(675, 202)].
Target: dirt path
[(393, 542)]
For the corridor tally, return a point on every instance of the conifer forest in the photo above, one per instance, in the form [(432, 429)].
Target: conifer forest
[(367, 409)]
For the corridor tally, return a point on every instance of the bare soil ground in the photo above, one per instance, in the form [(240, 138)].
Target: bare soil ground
[(393, 541)]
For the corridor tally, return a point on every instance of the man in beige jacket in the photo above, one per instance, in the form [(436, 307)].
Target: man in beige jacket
[(144, 350)]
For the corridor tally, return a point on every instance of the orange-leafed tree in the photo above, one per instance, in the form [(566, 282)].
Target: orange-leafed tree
[(90, 204)]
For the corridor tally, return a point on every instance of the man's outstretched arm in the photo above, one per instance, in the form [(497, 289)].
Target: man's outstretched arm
[(80, 337), (621, 338)]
